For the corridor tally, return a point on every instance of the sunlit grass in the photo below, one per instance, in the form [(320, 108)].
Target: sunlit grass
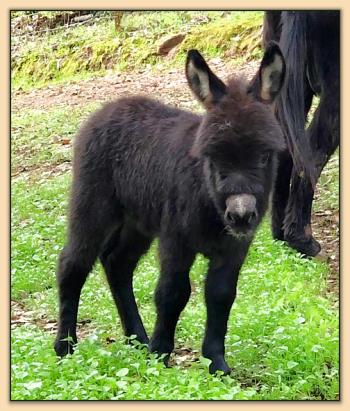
[(283, 333)]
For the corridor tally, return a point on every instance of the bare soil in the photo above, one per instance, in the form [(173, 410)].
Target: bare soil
[(170, 86), (325, 225)]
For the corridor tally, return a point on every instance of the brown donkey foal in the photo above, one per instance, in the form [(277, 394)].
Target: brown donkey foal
[(200, 183)]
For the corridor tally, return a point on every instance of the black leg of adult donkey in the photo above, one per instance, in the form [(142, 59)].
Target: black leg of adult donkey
[(200, 183), (309, 41)]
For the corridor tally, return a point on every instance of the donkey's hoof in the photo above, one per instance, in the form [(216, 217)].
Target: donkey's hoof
[(277, 232), (62, 348), (307, 246), (161, 350), (219, 365)]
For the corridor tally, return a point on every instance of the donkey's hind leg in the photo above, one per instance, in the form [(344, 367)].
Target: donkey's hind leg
[(281, 194), (89, 225), (324, 138), (119, 259), (283, 179)]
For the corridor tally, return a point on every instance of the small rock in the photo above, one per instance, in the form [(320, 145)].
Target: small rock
[(170, 43)]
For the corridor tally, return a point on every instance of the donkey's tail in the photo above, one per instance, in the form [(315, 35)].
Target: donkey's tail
[(271, 27), (290, 107)]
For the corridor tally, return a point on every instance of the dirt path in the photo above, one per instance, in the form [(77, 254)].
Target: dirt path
[(325, 226), (170, 86)]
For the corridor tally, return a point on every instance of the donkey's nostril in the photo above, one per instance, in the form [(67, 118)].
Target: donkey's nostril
[(240, 218), (230, 217), (251, 216), (241, 210)]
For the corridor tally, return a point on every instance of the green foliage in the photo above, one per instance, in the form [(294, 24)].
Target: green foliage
[(92, 50), (41, 138), (118, 372), (36, 217), (282, 340), (236, 32)]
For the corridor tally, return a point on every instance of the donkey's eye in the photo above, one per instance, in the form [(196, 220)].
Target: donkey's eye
[(223, 175), (264, 159)]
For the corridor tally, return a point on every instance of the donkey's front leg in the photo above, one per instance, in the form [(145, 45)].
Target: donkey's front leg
[(172, 293), (220, 292)]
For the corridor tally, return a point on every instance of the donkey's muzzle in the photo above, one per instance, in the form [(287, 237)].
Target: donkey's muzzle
[(241, 214)]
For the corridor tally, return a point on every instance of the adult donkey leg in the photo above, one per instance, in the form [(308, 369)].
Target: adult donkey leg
[(220, 292), (172, 293), (324, 137), (119, 259), (281, 192)]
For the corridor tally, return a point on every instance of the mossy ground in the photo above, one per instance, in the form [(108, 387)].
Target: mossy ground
[(80, 52)]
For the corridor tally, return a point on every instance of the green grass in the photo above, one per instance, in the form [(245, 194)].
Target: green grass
[(85, 51), (38, 136), (283, 332)]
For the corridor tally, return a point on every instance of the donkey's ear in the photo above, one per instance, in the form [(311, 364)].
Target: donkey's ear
[(268, 82), (208, 88)]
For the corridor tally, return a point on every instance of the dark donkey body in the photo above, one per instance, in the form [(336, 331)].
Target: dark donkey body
[(199, 183), (309, 41)]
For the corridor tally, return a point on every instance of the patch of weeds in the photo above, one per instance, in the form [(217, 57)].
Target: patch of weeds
[(37, 230), (80, 52), (282, 339), (42, 138), (236, 32)]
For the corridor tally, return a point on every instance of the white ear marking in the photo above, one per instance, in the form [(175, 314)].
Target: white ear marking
[(204, 90), (266, 79)]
